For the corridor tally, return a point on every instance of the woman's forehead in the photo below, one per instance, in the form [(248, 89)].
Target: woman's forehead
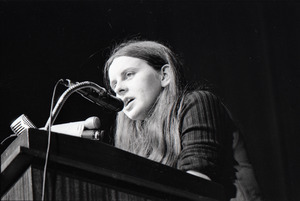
[(121, 63)]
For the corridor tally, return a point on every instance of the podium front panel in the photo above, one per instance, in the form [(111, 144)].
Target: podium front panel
[(82, 169)]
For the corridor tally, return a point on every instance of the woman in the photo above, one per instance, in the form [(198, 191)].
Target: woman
[(164, 121)]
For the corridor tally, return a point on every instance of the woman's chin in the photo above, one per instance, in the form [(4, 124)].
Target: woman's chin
[(135, 116)]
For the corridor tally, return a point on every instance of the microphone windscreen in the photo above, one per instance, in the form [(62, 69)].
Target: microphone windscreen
[(92, 123)]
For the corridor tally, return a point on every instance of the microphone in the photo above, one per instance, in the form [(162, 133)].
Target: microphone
[(20, 124), (98, 96), (89, 128)]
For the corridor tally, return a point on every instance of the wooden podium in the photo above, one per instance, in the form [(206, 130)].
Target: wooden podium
[(82, 169)]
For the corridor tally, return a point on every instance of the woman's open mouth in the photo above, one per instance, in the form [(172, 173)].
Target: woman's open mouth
[(128, 101)]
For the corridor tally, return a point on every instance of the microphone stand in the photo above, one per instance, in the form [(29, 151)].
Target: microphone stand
[(74, 88)]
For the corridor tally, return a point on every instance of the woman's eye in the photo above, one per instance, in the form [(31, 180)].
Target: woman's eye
[(129, 74), (113, 86)]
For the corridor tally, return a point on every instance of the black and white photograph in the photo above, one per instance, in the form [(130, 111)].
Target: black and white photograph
[(150, 100)]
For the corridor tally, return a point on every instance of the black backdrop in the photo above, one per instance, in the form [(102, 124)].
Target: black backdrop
[(248, 53)]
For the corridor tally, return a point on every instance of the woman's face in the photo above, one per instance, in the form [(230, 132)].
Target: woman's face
[(136, 83)]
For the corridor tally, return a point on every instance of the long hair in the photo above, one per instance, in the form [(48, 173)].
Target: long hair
[(156, 137)]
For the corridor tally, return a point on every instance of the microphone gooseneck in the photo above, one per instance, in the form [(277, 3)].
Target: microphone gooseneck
[(90, 91), (97, 95)]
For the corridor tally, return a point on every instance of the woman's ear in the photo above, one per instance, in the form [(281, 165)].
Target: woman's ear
[(165, 75)]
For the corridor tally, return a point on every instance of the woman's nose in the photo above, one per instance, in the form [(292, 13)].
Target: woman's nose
[(120, 89)]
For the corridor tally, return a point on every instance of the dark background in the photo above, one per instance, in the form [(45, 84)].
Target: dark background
[(247, 51)]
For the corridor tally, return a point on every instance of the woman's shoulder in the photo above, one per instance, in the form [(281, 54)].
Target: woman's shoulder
[(200, 96), (199, 101)]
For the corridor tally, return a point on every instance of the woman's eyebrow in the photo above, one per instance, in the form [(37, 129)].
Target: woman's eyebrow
[(123, 72), (128, 69)]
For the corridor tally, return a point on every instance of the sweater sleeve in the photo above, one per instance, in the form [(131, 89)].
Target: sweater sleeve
[(201, 126)]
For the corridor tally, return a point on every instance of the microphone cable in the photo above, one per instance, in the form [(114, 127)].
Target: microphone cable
[(12, 135), (49, 141)]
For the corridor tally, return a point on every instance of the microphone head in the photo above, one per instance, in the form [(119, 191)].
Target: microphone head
[(20, 124), (111, 102), (92, 123)]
